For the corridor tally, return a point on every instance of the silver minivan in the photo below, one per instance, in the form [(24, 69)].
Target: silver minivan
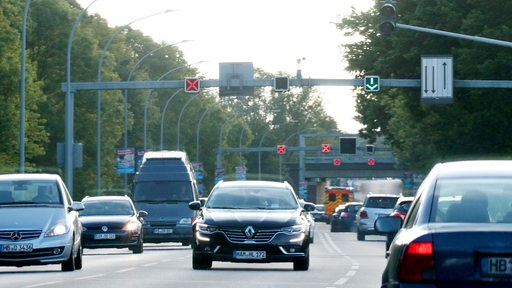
[(39, 222)]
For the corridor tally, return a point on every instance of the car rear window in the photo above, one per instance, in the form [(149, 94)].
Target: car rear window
[(381, 202)]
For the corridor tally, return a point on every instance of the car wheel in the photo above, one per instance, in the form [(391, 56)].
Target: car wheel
[(301, 264), (69, 264), (138, 249), (79, 257), (201, 262), (360, 235)]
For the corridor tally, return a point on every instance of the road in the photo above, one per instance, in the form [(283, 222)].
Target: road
[(338, 260)]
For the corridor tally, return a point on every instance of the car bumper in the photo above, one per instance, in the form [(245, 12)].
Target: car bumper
[(46, 250), (159, 234), (122, 240), (282, 248)]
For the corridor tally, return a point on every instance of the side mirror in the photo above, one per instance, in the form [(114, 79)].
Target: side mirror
[(195, 205), (308, 206), (388, 224), (142, 214), (76, 206)]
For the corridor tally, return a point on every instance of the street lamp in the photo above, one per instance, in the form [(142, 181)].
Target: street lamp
[(261, 142), (163, 117), (98, 120), (146, 103), (179, 119), (199, 125)]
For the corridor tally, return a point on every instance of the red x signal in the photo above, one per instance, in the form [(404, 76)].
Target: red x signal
[(326, 148), (281, 149), (192, 85)]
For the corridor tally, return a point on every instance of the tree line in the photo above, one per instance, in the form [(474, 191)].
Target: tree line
[(48, 28)]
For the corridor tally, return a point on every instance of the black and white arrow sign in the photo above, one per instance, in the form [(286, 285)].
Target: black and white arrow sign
[(437, 79)]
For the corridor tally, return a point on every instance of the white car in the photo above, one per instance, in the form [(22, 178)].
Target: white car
[(374, 206), (39, 222)]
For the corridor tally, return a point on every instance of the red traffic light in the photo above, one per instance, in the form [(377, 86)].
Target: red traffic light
[(336, 162), (371, 161), (281, 149), (326, 148), (192, 85)]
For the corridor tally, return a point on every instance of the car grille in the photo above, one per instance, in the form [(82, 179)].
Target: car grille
[(260, 236), (19, 235)]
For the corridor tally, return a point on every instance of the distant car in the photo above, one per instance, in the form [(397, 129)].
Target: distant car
[(318, 213), (251, 222), (39, 222), (458, 232), (112, 222), (374, 206), (401, 208), (345, 220)]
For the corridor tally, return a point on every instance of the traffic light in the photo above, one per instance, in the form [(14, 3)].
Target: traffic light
[(371, 161), (192, 85), (371, 83), (281, 149), (281, 84), (347, 145), (370, 149), (326, 148), (336, 162), (387, 17)]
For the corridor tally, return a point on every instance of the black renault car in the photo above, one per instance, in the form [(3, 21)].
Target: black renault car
[(251, 222)]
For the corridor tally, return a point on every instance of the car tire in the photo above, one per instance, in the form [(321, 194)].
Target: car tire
[(79, 257), (138, 249), (360, 235), (301, 264), (69, 264), (201, 262)]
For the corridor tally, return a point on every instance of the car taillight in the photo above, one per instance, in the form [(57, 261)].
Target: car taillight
[(417, 262), (363, 214), (344, 215), (398, 214)]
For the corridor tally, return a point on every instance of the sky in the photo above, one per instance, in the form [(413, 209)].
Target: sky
[(275, 35)]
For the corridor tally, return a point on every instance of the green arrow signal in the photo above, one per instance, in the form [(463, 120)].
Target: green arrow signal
[(371, 83)]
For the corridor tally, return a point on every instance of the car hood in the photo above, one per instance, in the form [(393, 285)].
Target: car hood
[(87, 220), (260, 218), (30, 217)]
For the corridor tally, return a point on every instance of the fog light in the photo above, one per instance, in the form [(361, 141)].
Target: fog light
[(56, 251), (292, 250)]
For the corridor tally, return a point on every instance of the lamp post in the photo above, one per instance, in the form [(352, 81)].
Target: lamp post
[(146, 103), (68, 129), (179, 119), (286, 143), (199, 125), (261, 142), (163, 117), (98, 120)]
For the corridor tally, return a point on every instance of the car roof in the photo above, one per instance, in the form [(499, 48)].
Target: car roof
[(383, 195), (254, 183), (30, 176), (473, 168), (354, 203)]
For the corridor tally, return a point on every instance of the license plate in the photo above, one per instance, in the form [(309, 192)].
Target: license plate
[(104, 236), (249, 254), (162, 231), (8, 248), (497, 266)]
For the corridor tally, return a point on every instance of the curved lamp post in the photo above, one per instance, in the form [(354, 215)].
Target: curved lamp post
[(179, 119), (163, 117), (146, 103), (199, 125), (98, 119), (261, 142)]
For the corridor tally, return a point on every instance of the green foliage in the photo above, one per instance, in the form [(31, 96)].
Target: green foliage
[(476, 125)]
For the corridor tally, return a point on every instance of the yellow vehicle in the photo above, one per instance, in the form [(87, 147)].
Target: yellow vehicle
[(335, 196)]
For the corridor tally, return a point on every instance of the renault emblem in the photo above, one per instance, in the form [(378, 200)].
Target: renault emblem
[(249, 232)]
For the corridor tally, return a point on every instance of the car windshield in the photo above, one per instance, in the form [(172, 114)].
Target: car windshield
[(163, 191), (476, 200), (381, 202), (102, 208), (252, 198), (29, 192)]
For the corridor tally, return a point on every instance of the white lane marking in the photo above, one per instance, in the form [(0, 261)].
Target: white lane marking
[(125, 270), (354, 264), (43, 284), (91, 276)]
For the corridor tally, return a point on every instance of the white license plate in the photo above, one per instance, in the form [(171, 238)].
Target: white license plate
[(7, 248), (162, 231), (501, 266), (249, 254), (104, 236)]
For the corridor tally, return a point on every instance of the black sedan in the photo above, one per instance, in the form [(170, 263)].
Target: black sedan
[(111, 222), (252, 222), (343, 220), (457, 232)]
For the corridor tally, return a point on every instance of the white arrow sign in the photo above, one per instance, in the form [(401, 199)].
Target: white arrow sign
[(437, 79)]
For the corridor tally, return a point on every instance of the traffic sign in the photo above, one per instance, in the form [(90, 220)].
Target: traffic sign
[(371, 83), (336, 162), (326, 148), (192, 85), (281, 149), (437, 79)]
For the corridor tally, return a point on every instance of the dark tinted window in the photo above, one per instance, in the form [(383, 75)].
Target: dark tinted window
[(381, 202), (163, 191)]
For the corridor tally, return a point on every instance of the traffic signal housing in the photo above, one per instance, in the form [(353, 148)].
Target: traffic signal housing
[(192, 85), (281, 83), (387, 17)]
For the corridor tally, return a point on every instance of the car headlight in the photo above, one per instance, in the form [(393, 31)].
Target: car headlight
[(57, 230), (204, 228), (131, 226), (299, 228), (186, 220)]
